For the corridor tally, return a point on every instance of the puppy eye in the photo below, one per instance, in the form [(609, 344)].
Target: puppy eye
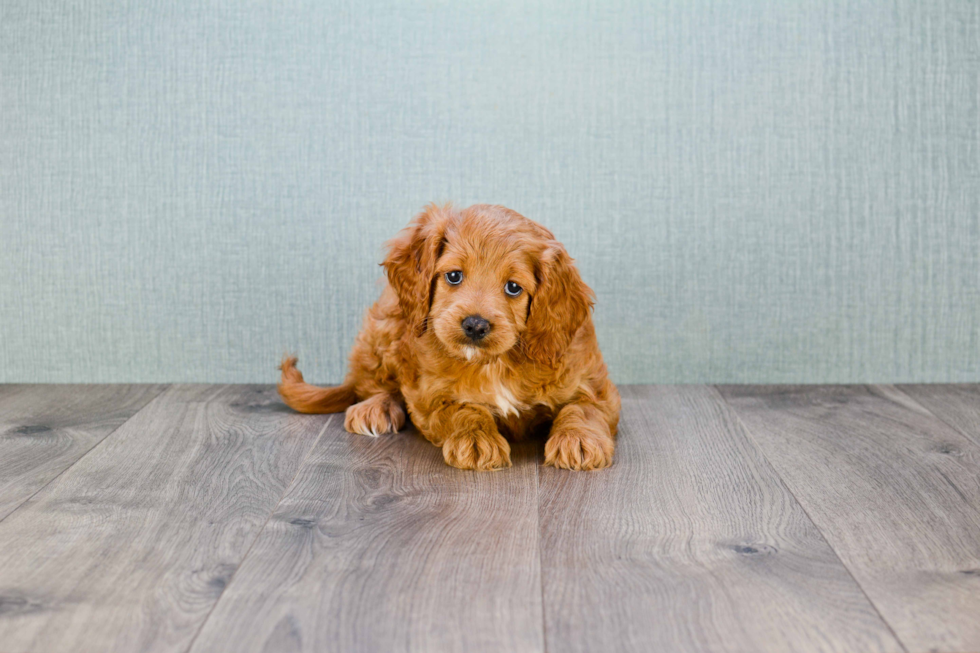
[(512, 289), (454, 278)]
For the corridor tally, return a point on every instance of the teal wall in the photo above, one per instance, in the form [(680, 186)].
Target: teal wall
[(757, 191)]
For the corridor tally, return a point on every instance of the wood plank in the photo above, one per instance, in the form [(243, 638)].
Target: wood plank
[(44, 429), (956, 404), (895, 491), (131, 547), (380, 546), (690, 542)]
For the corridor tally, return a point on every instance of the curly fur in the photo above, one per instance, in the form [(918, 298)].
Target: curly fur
[(539, 364)]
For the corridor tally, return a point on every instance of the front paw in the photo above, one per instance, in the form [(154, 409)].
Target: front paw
[(578, 448), (477, 449), (375, 416)]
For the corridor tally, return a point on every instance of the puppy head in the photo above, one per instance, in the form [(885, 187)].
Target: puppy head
[(486, 280)]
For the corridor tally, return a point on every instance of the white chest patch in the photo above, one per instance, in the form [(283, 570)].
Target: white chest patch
[(505, 400), (491, 389)]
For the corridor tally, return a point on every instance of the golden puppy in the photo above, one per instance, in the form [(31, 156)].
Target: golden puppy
[(483, 333)]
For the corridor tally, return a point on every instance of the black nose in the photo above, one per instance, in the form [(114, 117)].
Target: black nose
[(476, 328)]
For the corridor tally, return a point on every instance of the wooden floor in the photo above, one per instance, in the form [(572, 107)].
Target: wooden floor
[(211, 518)]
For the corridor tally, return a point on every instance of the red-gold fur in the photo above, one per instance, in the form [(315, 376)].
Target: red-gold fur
[(540, 363)]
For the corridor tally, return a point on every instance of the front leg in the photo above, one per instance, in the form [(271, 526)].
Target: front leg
[(582, 435), (468, 436)]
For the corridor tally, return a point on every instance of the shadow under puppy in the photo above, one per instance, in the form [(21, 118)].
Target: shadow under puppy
[(483, 332)]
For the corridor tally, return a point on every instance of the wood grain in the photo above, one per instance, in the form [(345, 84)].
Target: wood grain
[(131, 547), (895, 491), (169, 534), (380, 546), (690, 542), (956, 404), (44, 429)]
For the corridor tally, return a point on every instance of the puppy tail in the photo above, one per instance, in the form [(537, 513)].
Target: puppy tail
[(306, 398)]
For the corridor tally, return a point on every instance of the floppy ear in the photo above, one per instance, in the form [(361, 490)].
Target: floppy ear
[(410, 264), (559, 306)]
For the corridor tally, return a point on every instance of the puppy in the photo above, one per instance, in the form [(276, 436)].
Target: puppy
[(483, 333)]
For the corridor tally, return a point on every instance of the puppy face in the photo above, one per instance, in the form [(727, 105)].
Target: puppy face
[(485, 281), (482, 284)]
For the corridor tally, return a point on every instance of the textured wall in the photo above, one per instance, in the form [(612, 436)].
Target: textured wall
[(757, 191)]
